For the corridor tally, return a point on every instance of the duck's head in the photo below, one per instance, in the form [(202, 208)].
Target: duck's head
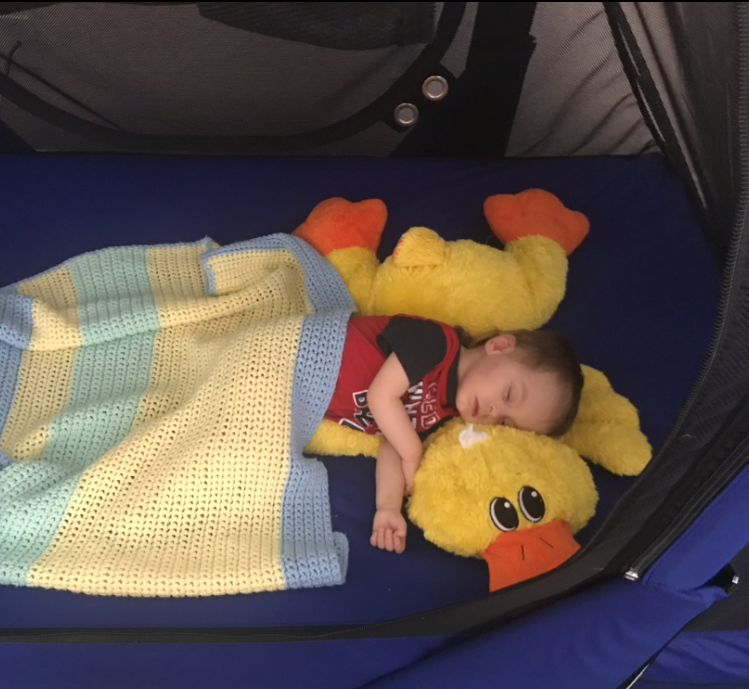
[(511, 497)]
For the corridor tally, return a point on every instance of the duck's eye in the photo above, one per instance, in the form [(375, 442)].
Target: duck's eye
[(504, 515), (531, 504)]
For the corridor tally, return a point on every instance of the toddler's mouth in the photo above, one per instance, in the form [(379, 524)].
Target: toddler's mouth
[(475, 411)]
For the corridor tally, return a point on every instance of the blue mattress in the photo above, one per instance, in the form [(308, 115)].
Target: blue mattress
[(642, 294)]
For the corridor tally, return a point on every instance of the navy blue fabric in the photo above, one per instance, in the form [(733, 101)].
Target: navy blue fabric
[(595, 639), (712, 660), (641, 298), (291, 665), (716, 536)]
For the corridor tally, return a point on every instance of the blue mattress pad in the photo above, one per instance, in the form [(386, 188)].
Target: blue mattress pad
[(641, 298)]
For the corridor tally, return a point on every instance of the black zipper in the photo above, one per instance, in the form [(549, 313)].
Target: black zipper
[(170, 635)]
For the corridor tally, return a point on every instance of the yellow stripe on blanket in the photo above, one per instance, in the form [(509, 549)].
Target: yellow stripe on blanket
[(179, 293), (56, 323), (271, 284), (28, 427), (145, 516)]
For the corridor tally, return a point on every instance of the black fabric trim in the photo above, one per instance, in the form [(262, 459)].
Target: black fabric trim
[(419, 344), (731, 613), (452, 381), (475, 118), (13, 7)]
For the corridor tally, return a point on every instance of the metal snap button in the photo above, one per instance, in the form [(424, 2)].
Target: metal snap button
[(406, 114), (435, 87)]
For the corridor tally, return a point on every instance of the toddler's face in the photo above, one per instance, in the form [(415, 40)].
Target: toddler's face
[(499, 389)]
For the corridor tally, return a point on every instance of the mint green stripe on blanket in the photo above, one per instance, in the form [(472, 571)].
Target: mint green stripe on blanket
[(110, 374), (114, 293)]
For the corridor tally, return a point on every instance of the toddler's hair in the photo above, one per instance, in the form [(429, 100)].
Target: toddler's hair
[(544, 350)]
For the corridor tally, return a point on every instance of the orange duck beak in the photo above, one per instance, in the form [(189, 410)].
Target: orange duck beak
[(519, 555)]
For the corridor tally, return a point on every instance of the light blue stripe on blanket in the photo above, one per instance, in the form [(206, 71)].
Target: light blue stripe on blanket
[(323, 283), (323, 559), (118, 370), (312, 553), (15, 336)]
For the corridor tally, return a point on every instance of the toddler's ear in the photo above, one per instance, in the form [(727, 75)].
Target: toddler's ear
[(500, 344)]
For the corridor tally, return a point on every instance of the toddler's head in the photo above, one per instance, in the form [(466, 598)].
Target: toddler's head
[(527, 379)]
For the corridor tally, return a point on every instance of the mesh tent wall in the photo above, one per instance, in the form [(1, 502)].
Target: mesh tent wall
[(523, 81)]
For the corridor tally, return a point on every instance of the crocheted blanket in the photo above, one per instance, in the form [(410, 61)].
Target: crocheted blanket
[(154, 405)]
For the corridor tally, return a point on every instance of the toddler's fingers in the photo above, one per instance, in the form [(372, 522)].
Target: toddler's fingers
[(389, 539), (400, 543)]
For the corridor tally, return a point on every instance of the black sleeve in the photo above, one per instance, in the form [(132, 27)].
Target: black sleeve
[(420, 345)]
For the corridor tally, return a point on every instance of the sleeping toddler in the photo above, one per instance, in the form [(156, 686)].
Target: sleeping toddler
[(401, 376)]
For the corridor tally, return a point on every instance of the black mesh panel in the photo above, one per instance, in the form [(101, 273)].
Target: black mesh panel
[(343, 25)]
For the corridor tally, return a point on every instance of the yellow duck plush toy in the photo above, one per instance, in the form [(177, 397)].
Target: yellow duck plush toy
[(487, 490), (511, 497)]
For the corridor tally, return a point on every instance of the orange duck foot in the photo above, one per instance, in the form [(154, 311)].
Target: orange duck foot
[(340, 224), (535, 212)]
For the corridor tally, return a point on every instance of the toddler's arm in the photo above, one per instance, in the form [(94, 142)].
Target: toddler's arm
[(384, 399), (389, 526)]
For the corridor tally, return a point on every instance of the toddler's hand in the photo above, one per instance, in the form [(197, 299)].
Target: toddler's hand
[(389, 531)]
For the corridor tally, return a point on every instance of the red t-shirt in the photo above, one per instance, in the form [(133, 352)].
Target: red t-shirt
[(427, 350)]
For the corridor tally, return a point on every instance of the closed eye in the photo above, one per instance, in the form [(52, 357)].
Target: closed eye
[(508, 394)]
